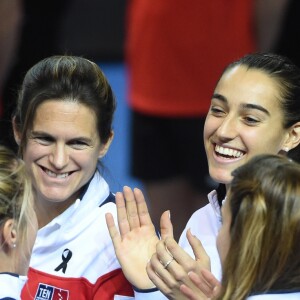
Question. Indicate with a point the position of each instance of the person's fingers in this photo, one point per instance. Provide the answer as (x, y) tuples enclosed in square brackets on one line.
[(182, 257), (169, 269), (157, 281), (158, 271), (217, 291), (142, 208), (198, 249), (124, 226), (189, 293), (113, 231), (166, 227), (205, 287), (212, 281), (131, 207), (163, 255)]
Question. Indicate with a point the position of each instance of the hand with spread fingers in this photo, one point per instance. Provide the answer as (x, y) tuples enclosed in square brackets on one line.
[(136, 240), (170, 266)]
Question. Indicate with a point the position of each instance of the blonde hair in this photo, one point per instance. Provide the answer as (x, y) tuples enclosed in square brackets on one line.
[(16, 198), (264, 200)]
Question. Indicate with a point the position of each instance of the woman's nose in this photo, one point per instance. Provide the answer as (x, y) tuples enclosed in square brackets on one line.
[(59, 157), (228, 128)]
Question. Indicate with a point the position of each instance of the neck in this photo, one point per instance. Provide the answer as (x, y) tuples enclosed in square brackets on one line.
[(7, 262), (46, 211)]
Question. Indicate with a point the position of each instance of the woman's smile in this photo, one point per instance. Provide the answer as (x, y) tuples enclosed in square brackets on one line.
[(238, 117), (63, 150)]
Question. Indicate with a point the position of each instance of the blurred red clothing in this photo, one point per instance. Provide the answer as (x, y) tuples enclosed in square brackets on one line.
[(176, 51)]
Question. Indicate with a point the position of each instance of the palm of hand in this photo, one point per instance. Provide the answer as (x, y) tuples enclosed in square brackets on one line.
[(136, 240), (134, 250)]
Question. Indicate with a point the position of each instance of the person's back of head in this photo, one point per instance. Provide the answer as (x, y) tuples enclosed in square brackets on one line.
[(17, 218), (264, 201)]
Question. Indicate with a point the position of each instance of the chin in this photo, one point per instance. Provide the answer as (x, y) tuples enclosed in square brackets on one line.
[(220, 176), (53, 198)]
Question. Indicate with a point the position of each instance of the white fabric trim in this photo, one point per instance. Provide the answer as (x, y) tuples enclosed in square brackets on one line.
[(11, 286)]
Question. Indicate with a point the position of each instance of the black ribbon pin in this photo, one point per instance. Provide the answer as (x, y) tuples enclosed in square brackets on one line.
[(66, 256)]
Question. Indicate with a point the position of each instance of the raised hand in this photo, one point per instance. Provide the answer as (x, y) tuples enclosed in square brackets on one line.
[(170, 265), (136, 242)]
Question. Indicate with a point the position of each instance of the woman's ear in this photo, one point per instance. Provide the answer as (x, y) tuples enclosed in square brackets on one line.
[(104, 148), (293, 139), (17, 134), (9, 233)]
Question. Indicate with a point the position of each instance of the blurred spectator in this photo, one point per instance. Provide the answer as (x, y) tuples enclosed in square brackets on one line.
[(11, 15), (273, 24), (287, 35), (32, 39)]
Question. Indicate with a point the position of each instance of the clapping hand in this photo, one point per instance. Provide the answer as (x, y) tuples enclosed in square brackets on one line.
[(136, 240), (170, 266)]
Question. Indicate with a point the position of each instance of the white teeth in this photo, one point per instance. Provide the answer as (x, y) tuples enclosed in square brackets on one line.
[(64, 175), (52, 174), (228, 151)]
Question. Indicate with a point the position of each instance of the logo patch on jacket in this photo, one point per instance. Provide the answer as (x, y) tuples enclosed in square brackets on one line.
[(48, 292)]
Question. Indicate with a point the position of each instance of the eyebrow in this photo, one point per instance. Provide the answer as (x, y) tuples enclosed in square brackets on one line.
[(40, 133), (244, 106), (255, 106), (219, 97)]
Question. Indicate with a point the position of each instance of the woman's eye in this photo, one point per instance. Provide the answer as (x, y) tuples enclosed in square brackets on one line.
[(251, 120), (217, 110), (78, 144), (43, 140)]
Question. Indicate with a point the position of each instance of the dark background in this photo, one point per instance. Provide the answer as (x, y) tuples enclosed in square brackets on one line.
[(94, 28)]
